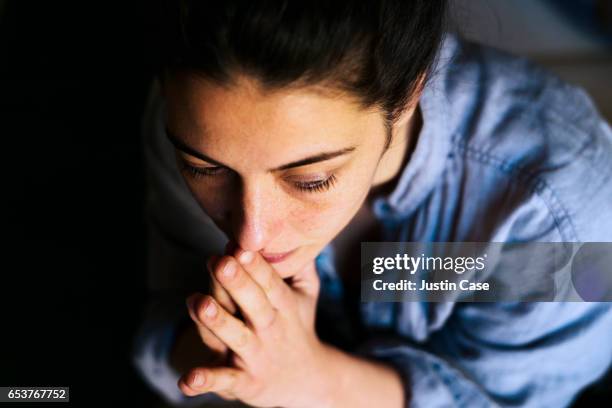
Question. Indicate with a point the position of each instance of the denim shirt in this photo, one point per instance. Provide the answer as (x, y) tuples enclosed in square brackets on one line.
[(507, 153)]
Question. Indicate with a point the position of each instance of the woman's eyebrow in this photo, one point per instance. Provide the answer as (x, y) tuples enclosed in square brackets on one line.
[(186, 149), (302, 162)]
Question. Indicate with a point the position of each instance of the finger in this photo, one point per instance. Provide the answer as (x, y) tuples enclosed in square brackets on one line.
[(249, 296), (222, 380), (224, 299), (217, 289), (230, 330), (275, 289), (307, 283), (194, 305)]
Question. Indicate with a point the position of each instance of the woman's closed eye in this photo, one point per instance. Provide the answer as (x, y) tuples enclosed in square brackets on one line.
[(317, 185), (320, 185), (202, 171)]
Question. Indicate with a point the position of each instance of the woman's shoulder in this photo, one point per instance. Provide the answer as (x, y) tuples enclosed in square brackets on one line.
[(518, 119), (491, 93)]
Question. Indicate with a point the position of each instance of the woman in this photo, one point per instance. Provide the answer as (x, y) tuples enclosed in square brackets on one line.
[(295, 132)]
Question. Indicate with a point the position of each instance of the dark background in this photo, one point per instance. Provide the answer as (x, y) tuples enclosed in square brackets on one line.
[(73, 81), (74, 77)]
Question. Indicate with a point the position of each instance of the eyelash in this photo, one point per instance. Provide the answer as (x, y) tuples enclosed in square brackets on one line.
[(197, 172), (317, 186), (310, 186)]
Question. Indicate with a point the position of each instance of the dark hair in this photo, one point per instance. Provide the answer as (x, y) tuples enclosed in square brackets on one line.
[(376, 50)]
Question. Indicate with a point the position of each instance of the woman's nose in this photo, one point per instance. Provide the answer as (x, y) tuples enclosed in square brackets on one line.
[(254, 219)]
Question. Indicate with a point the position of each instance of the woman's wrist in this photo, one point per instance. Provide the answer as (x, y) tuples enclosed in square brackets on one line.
[(349, 380)]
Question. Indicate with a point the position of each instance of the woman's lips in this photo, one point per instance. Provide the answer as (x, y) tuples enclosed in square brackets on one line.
[(276, 257)]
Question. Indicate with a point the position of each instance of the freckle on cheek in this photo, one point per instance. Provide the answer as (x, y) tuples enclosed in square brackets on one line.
[(312, 223)]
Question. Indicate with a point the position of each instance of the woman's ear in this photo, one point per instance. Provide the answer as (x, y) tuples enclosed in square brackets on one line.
[(406, 114), (412, 104)]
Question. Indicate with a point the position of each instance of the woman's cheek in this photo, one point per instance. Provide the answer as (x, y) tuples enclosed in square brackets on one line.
[(313, 222), (324, 218)]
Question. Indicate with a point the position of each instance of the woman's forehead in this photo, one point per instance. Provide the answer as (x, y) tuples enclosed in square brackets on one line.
[(203, 112)]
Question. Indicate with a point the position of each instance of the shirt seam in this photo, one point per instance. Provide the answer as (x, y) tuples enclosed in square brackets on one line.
[(530, 180)]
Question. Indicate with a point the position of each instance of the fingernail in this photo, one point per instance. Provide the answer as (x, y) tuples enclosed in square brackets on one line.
[(229, 270), (246, 257), (211, 309), (198, 379)]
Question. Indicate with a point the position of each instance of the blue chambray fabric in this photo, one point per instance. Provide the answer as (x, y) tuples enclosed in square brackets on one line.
[(507, 153)]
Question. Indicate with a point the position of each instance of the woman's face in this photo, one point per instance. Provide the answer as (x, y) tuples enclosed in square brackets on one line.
[(277, 171)]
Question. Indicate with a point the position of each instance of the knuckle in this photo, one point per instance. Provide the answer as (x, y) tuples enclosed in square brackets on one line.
[(257, 303), (271, 319), (241, 281), (244, 339), (232, 379), (269, 283)]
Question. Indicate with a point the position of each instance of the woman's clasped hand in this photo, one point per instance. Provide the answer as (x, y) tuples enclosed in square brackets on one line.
[(271, 355)]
